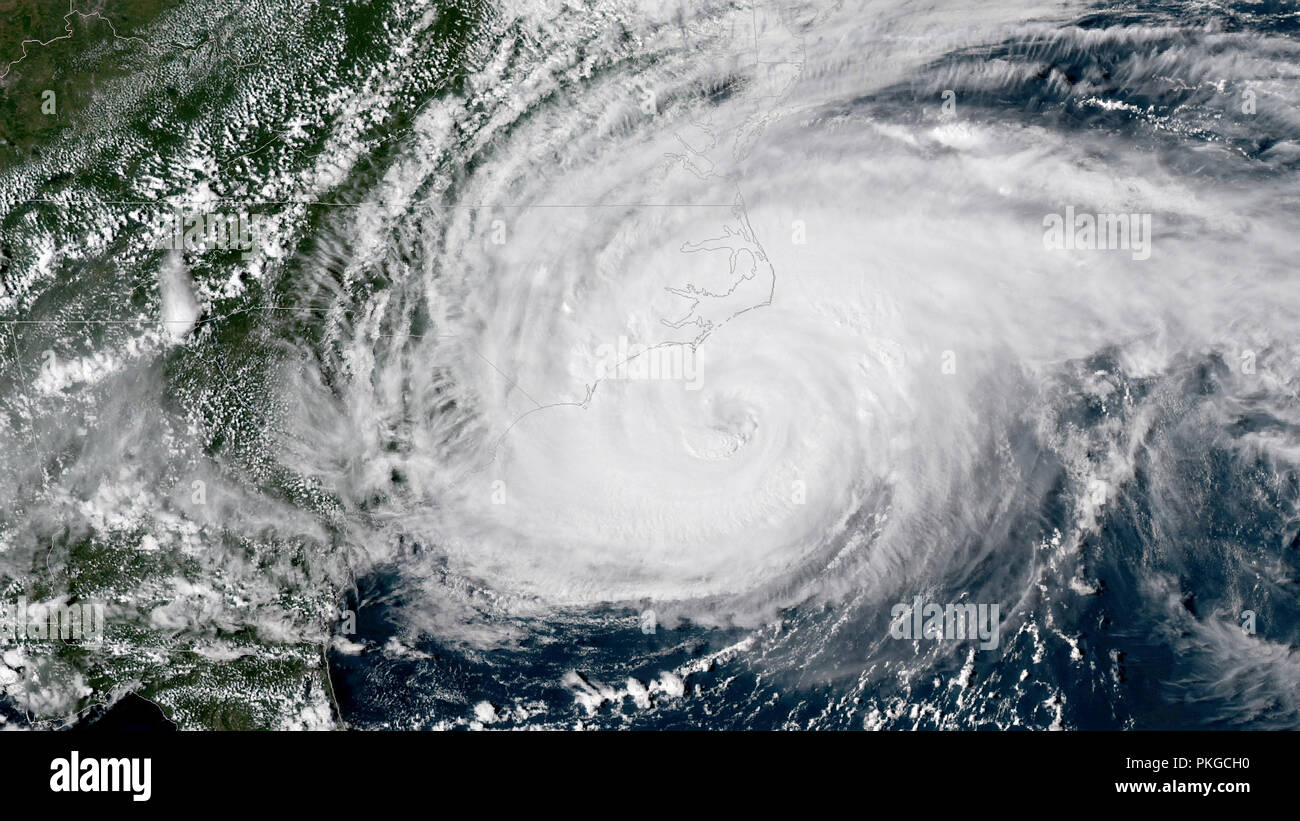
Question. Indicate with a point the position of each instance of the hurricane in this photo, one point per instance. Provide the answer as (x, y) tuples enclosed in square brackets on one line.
[(635, 364)]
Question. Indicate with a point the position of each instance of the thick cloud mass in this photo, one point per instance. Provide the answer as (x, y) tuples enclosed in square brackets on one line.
[(857, 277)]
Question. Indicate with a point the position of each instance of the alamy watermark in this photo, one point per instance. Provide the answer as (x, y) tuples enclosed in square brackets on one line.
[(1098, 232), (670, 361), (51, 621), (198, 231), (951, 622), (126, 775)]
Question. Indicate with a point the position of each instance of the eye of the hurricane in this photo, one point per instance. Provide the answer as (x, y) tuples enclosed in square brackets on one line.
[(651, 489), (732, 426)]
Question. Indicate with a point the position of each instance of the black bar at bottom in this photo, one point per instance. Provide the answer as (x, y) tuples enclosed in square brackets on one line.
[(352, 771)]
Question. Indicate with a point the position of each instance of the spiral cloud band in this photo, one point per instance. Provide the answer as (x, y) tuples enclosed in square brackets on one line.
[(864, 291)]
